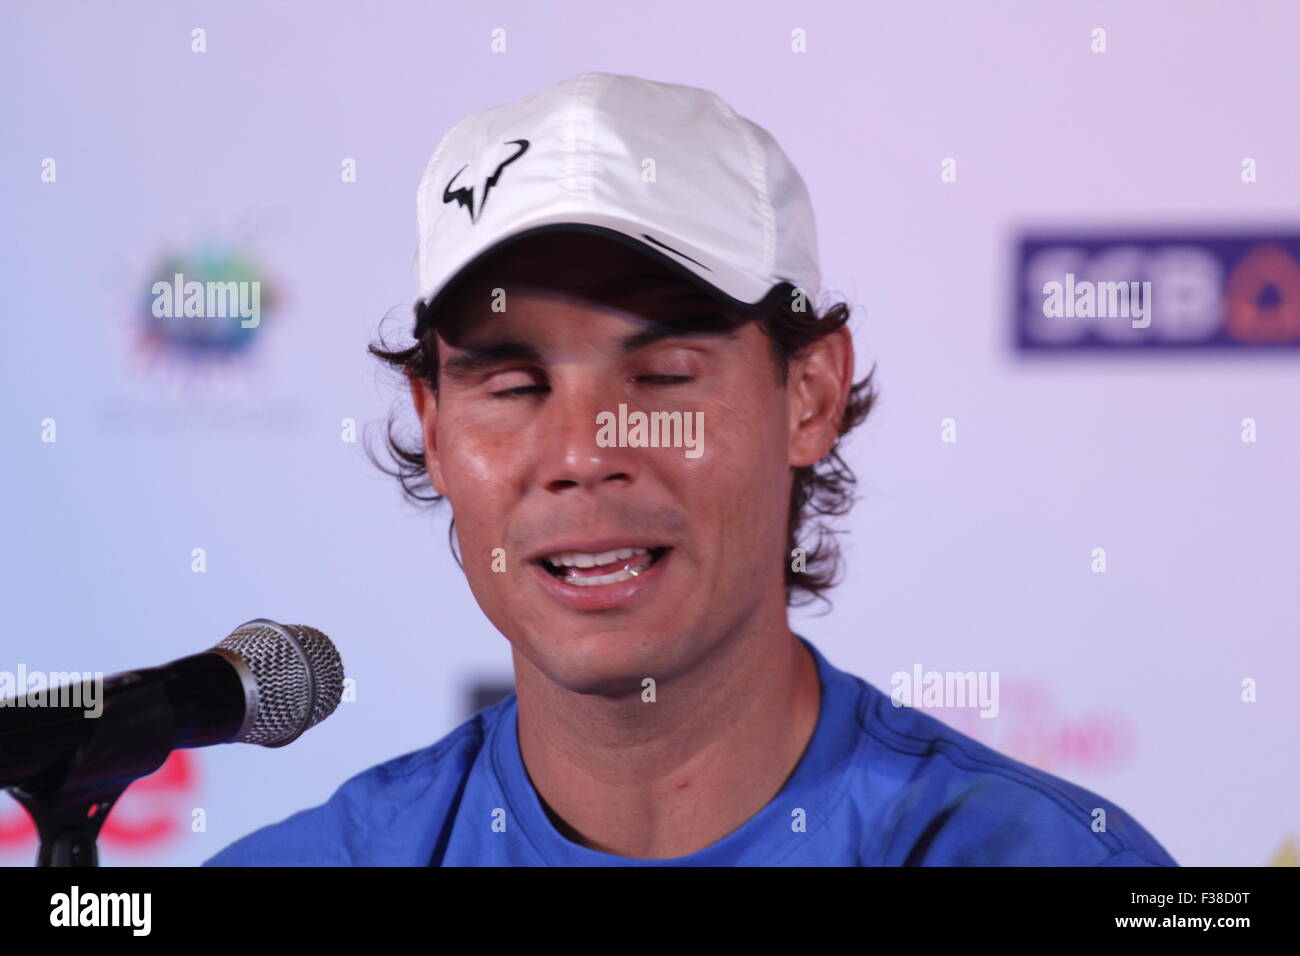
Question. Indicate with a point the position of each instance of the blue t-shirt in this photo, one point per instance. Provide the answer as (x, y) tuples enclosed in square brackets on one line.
[(877, 785)]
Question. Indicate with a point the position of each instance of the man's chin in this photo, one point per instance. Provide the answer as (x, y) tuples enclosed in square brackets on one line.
[(610, 663)]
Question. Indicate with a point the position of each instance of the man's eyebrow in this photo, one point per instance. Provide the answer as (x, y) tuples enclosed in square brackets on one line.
[(705, 325), (476, 358)]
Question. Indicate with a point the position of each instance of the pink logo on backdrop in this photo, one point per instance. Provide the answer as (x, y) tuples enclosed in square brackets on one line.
[(152, 814), (1030, 728)]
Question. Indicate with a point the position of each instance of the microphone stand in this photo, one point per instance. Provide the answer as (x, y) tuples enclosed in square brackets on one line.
[(69, 803)]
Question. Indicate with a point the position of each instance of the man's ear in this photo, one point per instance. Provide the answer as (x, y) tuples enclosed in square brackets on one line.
[(426, 408), (818, 388)]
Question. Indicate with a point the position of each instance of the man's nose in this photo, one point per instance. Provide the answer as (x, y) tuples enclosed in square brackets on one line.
[(570, 455)]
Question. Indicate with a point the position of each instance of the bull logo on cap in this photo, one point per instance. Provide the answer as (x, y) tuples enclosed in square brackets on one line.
[(465, 194)]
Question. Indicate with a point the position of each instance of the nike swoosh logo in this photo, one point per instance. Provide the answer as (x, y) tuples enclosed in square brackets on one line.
[(675, 251)]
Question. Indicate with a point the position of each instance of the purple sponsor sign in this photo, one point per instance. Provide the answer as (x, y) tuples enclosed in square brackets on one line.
[(1126, 291)]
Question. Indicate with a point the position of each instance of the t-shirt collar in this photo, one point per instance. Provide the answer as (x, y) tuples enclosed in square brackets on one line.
[(817, 783)]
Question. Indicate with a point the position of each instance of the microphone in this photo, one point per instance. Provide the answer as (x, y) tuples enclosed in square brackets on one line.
[(265, 684)]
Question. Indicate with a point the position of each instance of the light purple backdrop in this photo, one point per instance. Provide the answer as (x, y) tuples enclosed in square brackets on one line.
[(972, 555)]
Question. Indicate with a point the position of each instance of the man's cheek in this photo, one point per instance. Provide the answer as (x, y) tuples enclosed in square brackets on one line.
[(491, 567), (478, 466), (746, 472)]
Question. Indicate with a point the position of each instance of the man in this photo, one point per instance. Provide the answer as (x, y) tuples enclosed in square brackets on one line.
[(631, 404)]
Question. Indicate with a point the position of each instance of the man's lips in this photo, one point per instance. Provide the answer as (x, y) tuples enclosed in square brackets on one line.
[(600, 572), (594, 546), (592, 569), (617, 586)]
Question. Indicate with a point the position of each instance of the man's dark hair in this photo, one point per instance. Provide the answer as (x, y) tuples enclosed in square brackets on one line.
[(823, 489)]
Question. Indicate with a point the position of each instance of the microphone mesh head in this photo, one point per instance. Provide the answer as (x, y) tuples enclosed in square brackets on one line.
[(299, 678)]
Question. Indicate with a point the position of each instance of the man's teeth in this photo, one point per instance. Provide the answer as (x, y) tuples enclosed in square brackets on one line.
[(582, 559), (624, 565), (623, 574)]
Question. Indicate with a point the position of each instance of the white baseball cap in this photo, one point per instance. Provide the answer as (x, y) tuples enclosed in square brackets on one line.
[(671, 170)]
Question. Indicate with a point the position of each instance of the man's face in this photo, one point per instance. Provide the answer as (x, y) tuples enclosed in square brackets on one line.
[(511, 438)]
